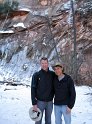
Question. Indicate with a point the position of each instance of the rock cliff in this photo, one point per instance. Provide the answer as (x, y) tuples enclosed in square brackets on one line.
[(45, 28)]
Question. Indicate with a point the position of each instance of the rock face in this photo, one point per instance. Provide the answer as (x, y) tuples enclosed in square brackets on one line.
[(37, 31)]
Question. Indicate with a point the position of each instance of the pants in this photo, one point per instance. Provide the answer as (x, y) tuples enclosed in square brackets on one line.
[(59, 111), (47, 107)]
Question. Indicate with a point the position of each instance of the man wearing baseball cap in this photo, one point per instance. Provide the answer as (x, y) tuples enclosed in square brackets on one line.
[(64, 95)]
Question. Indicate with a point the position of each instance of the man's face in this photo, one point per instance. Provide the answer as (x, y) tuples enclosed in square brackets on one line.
[(58, 70), (44, 64)]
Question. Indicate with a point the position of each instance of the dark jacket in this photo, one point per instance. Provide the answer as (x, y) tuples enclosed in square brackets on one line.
[(42, 86), (64, 91)]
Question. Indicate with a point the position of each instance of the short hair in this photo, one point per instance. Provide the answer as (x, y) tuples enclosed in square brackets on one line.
[(44, 58)]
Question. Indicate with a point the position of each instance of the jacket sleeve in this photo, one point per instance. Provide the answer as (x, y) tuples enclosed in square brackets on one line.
[(34, 88), (72, 93)]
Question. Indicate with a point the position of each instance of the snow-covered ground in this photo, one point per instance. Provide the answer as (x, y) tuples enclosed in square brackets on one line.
[(15, 102)]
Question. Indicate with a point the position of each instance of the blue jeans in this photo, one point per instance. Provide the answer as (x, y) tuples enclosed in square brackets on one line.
[(47, 107), (59, 111)]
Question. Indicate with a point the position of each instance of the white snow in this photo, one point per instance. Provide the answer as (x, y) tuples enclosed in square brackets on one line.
[(15, 102), (67, 5), (24, 9), (5, 32), (44, 43), (19, 25), (19, 69)]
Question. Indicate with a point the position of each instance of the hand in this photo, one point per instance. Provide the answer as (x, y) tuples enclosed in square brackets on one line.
[(68, 110), (35, 107)]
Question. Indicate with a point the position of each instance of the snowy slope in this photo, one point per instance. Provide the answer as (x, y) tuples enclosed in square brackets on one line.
[(19, 69), (15, 102)]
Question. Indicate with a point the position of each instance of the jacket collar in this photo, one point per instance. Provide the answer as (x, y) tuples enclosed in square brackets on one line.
[(45, 71)]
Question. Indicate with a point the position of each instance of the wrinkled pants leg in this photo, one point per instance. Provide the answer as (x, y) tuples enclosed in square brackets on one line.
[(48, 112), (41, 105), (58, 114), (67, 116)]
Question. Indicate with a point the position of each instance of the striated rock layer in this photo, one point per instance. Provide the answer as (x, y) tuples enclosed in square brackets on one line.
[(37, 29)]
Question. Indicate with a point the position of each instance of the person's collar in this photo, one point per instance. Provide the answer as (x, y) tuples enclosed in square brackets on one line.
[(45, 70), (61, 77)]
